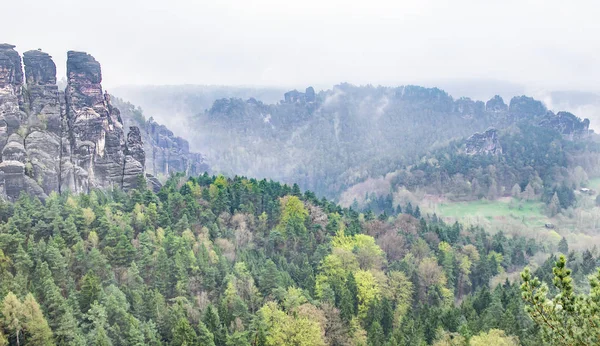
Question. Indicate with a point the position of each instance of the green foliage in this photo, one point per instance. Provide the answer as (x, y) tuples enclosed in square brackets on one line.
[(236, 261), (568, 318)]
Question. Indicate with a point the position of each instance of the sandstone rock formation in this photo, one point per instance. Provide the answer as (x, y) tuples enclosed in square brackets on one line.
[(165, 153), (567, 124), (57, 141), (484, 143)]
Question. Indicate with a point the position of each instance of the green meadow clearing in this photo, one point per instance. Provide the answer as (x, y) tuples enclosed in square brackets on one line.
[(528, 213)]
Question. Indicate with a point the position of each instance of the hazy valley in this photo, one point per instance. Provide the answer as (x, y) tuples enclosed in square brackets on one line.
[(315, 173)]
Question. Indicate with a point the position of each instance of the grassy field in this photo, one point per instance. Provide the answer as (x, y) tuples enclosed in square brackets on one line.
[(529, 213), (581, 226)]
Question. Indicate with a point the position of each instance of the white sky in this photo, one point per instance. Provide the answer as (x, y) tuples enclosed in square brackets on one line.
[(549, 43)]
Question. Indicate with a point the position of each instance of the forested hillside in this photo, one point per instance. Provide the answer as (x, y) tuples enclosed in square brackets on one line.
[(217, 261), (532, 162), (330, 140)]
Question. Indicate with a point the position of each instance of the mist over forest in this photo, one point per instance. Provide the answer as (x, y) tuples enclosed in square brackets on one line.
[(309, 173), (187, 111)]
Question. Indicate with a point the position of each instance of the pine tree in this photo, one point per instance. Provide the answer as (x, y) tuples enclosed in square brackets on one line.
[(346, 305), (417, 213), (554, 205), (568, 318), (60, 316), (516, 191), (529, 193), (409, 209), (563, 246), (270, 278), (97, 335), (353, 290), (376, 335), (36, 327), (12, 312), (387, 316), (184, 334), (69, 231), (205, 337), (90, 291), (123, 252), (213, 323)]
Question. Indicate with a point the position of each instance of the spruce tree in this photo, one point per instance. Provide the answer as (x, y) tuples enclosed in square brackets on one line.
[(184, 334), (205, 337), (563, 246)]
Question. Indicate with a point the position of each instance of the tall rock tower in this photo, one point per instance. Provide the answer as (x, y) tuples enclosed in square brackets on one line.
[(57, 141)]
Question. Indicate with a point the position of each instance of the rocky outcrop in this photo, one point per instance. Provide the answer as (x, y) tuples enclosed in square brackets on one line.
[(496, 105), (295, 96), (58, 141), (567, 124), (11, 71), (96, 134), (486, 143), (522, 106), (167, 153), (44, 140)]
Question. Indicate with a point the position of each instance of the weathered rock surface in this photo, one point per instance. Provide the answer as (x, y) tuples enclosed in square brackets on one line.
[(165, 153), (484, 143), (567, 124), (11, 71), (58, 141)]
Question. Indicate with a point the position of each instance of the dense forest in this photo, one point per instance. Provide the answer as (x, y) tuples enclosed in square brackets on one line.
[(535, 164), (329, 140), (215, 261)]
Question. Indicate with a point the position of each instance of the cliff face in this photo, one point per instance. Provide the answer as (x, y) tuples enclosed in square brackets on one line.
[(165, 153), (57, 141), (567, 124), (485, 143)]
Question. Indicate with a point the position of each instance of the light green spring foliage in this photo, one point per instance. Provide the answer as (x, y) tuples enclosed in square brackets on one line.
[(24, 321), (197, 261), (494, 337), (567, 318), (293, 217), (287, 329)]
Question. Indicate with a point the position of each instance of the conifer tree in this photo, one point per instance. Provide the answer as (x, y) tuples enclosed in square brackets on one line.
[(184, 334), (12, 313), (205, 337), (36, 327), (568, 318), (563, 246)]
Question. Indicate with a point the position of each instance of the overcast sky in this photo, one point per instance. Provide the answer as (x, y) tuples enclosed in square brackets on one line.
[(546, 43)]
